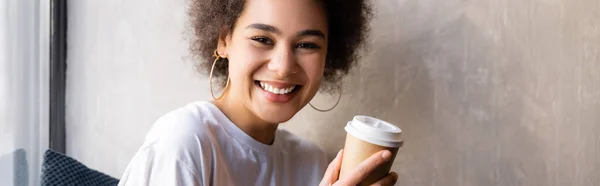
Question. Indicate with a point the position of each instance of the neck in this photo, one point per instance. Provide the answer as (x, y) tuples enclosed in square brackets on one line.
[(247, 121)]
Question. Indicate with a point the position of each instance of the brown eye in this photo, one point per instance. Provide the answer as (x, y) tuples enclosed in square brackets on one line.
[(308, 46), (263, 40)]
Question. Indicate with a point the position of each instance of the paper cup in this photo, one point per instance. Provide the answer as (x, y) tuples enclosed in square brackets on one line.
[(365, 137)]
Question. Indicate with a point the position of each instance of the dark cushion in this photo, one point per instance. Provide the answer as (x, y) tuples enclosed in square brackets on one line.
[(59, 169)]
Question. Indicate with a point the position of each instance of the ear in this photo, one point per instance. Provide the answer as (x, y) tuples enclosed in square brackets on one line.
[(224, 43)]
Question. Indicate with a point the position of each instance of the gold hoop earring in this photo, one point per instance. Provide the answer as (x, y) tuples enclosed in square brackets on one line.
[(217, 57), (336, 103)]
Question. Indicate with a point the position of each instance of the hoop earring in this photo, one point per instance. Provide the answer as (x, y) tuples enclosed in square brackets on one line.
[(217, 57), (336, 103)]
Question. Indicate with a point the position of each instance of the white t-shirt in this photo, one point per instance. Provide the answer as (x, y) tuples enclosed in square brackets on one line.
[(199, 145)]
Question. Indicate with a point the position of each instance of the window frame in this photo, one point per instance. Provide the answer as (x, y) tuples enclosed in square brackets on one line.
[(57, 74)]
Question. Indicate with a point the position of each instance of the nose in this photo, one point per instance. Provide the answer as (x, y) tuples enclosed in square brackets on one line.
[(283, 62)]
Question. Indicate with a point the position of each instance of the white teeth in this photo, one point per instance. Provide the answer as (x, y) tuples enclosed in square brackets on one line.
[(269, 88)]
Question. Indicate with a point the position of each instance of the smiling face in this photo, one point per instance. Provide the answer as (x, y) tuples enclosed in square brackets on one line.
[(276, 53)]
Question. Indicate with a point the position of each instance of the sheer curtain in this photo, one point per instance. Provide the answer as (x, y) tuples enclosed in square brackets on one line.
[(24, 57)]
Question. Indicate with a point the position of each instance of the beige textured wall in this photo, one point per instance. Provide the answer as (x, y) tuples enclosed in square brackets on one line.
[(488, 92)]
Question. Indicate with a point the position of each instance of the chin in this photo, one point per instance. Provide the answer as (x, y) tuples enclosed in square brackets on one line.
[(277, 114)]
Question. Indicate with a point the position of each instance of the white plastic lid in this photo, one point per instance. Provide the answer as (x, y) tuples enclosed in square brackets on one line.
[(374, 131)]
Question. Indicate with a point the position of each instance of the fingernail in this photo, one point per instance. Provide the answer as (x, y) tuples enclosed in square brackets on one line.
[(386, 154), (395, 175)]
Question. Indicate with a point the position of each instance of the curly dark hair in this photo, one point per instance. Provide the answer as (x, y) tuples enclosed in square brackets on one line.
[(348, 27)]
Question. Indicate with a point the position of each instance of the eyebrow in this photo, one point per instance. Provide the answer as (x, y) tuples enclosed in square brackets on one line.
[(316, 33), (264, 27), (272, 29)]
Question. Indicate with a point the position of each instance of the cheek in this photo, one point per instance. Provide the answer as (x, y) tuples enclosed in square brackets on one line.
[(240, 70), (314, 66), (243, 62)]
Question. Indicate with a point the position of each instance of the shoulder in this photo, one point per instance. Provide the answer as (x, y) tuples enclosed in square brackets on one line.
[(294, 142), (296, 145), (310, 161), (178, 147), (188, 128)]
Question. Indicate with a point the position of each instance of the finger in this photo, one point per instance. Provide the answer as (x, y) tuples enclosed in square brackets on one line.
[(334, 167), (366, 167), (388, 180), (333, 170), (337, 165)]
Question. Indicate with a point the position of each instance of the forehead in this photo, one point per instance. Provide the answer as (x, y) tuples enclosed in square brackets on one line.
[(286, 15)]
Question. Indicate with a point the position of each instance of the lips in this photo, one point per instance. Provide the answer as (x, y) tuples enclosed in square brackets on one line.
[(277, 91)]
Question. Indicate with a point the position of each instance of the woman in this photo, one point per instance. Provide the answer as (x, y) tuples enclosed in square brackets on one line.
[(270, 57)]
